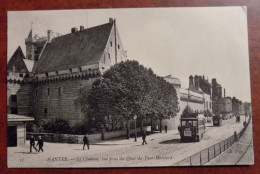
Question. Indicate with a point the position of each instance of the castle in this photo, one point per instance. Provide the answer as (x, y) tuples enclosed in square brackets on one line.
[(44, 83)]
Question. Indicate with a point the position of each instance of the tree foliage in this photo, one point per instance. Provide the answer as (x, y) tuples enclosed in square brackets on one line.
[(125, 90), (188, 113)]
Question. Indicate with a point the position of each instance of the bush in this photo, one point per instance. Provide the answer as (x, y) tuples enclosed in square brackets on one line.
[(59, 126), (38, 126)]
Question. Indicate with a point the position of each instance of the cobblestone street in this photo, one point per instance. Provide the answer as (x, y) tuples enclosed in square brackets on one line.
[(162, 150)]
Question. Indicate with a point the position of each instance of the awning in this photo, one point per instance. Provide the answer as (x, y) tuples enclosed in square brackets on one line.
[(13, 117)]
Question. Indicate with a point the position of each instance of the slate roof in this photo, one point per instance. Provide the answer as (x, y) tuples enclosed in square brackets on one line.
[(13, 117), (75, 49), (17, 60)]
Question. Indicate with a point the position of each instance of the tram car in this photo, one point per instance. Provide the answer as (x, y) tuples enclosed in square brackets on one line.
[(192, 129), (238, 119), (217, 120)]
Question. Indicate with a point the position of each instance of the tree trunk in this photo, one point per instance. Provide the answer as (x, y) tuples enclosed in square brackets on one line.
[(128, 129), (160, 125), (142, 124)]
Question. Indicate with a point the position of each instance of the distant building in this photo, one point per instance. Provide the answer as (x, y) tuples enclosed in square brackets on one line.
[(223, 106)]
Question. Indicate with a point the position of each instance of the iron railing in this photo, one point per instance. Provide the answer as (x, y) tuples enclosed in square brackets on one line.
[(204, 156)]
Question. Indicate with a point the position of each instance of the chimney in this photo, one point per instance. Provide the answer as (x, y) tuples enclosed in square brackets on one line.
[(203, 78), (224, 93), (196, 81), (74, 30), (111, 20), (50, 35), (81, 28), (191, 81)]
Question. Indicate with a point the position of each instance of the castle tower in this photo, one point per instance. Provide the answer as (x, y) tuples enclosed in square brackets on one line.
[(29, 42), (35, 44)]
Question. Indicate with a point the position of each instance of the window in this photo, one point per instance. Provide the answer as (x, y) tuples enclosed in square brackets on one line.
[(183, 123), (118, 46), (14, 98), (20, 75), (108, 55), (111, 44), (14, 110), (13, 68), (45, 111), (48, 91), (36, 92), (46, 74), (59, 90), (194, 123)]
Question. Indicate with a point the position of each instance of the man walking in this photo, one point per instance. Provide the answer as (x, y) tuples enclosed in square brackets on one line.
[(86, 142), (165, 128), (144, 137), (40, 143), (32, 143)]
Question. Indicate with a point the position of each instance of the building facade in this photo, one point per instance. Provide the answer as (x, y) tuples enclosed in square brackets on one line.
[(197, 99)]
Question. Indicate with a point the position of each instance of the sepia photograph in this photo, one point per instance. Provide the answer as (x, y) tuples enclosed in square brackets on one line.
[(133, 87)]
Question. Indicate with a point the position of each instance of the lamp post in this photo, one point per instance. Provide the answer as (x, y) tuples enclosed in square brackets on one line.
[(135, 117)]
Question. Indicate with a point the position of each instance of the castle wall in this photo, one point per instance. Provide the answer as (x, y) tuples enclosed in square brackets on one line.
[(57, 99), (24, 99)]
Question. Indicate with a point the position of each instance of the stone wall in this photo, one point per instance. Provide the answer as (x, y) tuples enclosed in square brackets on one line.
[(77, 139), (57, 99), (24, 98)]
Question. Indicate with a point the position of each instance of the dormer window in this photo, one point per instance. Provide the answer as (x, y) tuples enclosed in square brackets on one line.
[(111, 44)]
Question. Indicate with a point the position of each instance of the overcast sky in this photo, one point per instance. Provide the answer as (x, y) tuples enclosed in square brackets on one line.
[(178, 41)]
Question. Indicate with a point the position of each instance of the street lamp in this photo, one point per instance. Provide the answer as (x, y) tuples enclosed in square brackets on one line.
[(135, 117)]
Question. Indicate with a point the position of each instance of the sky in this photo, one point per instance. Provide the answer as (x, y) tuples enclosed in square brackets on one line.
[(209, 41)]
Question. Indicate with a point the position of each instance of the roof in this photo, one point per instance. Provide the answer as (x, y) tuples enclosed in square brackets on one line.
[(17, 61), (172, 80), (194, 89), (75, 49), (29, 64), (13, 117)]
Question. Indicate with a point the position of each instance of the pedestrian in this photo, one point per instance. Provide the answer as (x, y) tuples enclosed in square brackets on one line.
[(144, 137), (32, 143), (86, 142), (40, 143), (165, 128)]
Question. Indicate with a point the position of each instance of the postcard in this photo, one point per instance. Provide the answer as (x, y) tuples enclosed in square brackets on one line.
[(140, 87)]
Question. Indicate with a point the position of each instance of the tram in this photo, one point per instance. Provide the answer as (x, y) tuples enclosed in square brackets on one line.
[(192, 128), (217, 120)]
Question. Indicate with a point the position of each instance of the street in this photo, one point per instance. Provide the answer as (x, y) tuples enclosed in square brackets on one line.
[(162, 150), (241, 153)]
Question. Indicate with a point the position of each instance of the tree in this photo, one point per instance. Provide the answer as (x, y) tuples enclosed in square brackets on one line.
[(188, 113), (125, 90)]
